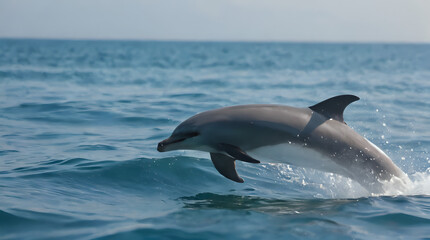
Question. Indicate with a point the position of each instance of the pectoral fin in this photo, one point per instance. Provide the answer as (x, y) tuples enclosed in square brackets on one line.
[(237, 153), (226, 166)]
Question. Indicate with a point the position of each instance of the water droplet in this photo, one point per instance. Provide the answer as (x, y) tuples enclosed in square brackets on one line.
[(383, 124), (382, 137), (377, 110), (403, 158)]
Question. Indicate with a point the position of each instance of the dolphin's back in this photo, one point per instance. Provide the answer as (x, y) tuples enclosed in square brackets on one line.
[(259, 124), (285, 115)]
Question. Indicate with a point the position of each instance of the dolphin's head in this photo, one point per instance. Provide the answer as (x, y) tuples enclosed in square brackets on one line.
[(185, 136)]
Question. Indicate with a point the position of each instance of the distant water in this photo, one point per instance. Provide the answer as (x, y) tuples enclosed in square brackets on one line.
[(80, 120)]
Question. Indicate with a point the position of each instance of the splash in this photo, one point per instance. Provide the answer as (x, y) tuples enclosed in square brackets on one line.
[(419, 184), (330, 185), (321, 184)]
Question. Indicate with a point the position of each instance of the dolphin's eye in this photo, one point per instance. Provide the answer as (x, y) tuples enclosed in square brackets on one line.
[(185, 136), (191, 134)]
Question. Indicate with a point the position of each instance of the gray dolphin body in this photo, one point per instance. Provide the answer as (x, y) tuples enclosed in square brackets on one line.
[(316, 137)]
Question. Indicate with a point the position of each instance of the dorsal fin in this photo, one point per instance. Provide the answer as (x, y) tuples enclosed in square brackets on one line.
[(334, 107)]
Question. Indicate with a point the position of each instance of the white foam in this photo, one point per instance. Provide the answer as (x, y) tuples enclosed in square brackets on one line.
[(329, 185), (419, 184), (332, 177), (322, 184)]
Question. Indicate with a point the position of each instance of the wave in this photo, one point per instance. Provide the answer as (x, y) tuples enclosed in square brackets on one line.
[(190, 199), (95, 147), (5, 152), (169, 175), (267, 205), (79, 113), (8, 218), (193, 175), (208, 215)]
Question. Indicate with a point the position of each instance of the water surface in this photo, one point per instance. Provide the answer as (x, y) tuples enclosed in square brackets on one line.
[(80, 120)]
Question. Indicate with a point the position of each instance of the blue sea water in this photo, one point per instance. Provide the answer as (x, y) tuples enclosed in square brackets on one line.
[(80, 121)]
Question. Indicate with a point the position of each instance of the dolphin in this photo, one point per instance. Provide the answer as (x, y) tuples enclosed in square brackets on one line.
[(313, 137)]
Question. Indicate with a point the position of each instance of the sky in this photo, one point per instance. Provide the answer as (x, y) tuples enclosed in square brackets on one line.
[(219, 20)]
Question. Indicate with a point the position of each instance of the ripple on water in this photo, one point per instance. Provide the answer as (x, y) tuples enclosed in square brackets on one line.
[(5, 152), (95, 147)]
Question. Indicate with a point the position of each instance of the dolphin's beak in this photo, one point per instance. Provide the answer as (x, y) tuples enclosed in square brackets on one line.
[(166, 142), (161, 145)]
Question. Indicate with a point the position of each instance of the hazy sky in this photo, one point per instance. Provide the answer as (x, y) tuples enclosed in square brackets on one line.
[(263, 20)]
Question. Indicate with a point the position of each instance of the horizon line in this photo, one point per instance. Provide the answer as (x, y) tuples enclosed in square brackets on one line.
[(212, 40)]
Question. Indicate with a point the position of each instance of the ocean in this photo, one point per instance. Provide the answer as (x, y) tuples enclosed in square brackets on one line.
[(80, 122)]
